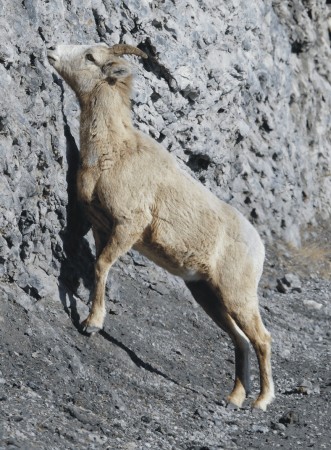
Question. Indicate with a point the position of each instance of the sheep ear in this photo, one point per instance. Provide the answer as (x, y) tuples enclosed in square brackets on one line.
[(116, 71)]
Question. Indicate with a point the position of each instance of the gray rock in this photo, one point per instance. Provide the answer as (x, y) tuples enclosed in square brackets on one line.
[(278, 426), (258, 428), (289, 418), (312, 304), (289, 283), (197, 73)]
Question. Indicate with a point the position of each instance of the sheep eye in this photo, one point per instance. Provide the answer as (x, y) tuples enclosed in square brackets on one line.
[(90, 57)]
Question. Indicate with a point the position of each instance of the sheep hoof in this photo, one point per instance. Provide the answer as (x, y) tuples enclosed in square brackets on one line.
[(259, 406), (91, 329), (236, 399), (232, 407)]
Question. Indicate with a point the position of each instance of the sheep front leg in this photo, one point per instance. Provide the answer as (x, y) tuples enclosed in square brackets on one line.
[(122, 239)]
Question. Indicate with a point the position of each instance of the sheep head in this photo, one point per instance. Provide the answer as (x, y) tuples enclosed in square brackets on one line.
[(83, 67)]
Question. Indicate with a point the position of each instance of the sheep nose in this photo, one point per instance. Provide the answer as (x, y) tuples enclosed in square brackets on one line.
[(53, 47)]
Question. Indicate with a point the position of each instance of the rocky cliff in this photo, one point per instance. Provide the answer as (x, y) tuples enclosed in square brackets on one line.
[(240, 93)]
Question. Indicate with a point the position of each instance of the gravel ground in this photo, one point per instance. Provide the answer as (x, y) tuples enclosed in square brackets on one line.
[(157, 375)]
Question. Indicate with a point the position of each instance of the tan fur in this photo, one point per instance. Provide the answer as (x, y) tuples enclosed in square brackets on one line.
[(138, 197)]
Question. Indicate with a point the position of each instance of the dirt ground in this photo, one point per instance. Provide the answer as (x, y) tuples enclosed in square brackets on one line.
[(157, 375)]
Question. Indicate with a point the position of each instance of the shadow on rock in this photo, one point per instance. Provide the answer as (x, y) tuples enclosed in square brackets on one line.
[(135, 358), (77, 264)]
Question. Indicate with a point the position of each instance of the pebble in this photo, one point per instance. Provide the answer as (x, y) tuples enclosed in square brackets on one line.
[(260, 428), (32, 385), (304, 387), (278, 426), (146, 419), (289, 418), (289, 283), (311, 304), (12, 443), (28, 331)]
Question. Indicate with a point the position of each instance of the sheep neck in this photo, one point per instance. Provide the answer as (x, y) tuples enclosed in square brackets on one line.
[(105, 126)]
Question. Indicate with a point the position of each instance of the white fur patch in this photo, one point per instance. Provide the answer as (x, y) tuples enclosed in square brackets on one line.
[(245, 347), (63, 51)]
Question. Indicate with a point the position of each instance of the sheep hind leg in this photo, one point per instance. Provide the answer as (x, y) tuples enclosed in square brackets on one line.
[(121, 240), (251, 324), (100, 240), (241, 387), (212, 303)]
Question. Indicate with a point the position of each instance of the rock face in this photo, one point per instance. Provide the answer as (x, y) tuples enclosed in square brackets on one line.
[(239, 92)]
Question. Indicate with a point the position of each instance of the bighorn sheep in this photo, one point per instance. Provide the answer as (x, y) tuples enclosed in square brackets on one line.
[(137, 197)]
